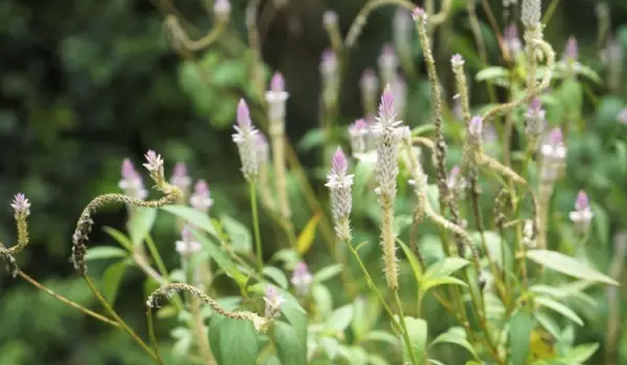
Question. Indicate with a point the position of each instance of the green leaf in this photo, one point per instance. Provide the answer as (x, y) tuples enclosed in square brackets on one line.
[(559, 308), (520, 327), (446, 267), (581, 353), (457, 336), (492, 73), (276, 275), (120, 237), (568, 266), (141, 223), (288, 348), (413, 261), (239, 235), (192, 216), (295, 315), (111, 280), (447, 280), (221, 258), (307, 235), (382, 336), (233, 342), (376, 360), (323, 298), (105, 252), (327, 273), (312, 139), (340, 318), (417, 330)]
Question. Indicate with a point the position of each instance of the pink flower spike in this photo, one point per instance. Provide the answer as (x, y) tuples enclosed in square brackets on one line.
[(571, 52), (329, 18), (556, 137), (418, 13), (476, 126), (154, 162), (222, 7), (359, 125), (128, 170), (457, 60), (582, 203), (277, 84), (243, 115), (339, 162), (387, 109), (21, 205), (201, 188)]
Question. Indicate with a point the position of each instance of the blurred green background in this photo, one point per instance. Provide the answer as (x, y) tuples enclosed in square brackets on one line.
[(84, 84)]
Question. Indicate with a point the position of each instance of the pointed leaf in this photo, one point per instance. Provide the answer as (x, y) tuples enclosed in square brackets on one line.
[(417, 330), (233, 342), (105, 252), (457, 336), (568, 266), (276, 275), (340, 318), (141, 223), (306, 237), (288, 348), (559, 308), (220, 257), (327, 273), (111, 280), (581, 353), (413, 261), (446, 267), (447, 280), (520, 326), (192, 216), (239, 235), (120, 237)]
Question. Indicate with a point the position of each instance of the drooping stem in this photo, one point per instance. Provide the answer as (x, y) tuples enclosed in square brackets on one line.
[(253, 204), (123, 324), (153, 337), (67, 301)]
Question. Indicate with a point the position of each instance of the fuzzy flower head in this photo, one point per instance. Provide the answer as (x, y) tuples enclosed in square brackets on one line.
[(387, 111), (622, 116), (246, 140), (222, 9), (553, 152), (201, 198), (276, 97), (329, 19), (571, 52), (180, 177), (531, 13), (582, 215), (512, 40), (340, 186), (369, 86), (188, 246), (154, 165), (301, 278), (132, 183), (273, 301), (535, 118), (455, 181), (475, 128), (358, 132), (328, 64), (21, 206), (457, 60), (388, 63), (419, 14)]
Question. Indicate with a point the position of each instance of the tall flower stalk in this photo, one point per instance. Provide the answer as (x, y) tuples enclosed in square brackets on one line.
[(246, 140)]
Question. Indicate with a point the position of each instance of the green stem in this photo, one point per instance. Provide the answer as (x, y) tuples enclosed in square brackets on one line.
[(153, 337), (398, 326), (123, 324), (253, 204), (154, 252), (401, 317)]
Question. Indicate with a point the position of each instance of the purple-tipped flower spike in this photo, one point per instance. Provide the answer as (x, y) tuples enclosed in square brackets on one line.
[(476, 126), (180, 178), (222, 9), (273, 300), (455, 181), (339, 162), (457, 60), (553, 152), (582, 215), (388, 63), (277, 97), (243, 115), (187, 246), (418, 13), (246, 140), (132, 183), (622, 116), (358, 132), (387, 109), (201, 198), (339, 184), (21, 206), (301, 278), (571, 52), (531, 13), (328, 63), (512, 40), (329, 19), (535, 119), (369, 82), (154, 165)]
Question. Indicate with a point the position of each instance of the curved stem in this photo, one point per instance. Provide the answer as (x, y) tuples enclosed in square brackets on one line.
[(67, 301), (123, 324), (151, 334), (253, 203)]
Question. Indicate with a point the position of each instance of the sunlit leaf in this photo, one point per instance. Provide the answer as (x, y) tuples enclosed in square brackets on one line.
[(457, 336), (327, 273), (446, 267), (417, 330), (276, 275), (520, 326), (289, 349), (221, 258), (141, 223), (581, 353), (568, 266), (120, 237), (306, 237), (105, 252), (239, 235), (233, 342), (492, 73), (559, 308), (341, 318), (111, 280), (192, 216)]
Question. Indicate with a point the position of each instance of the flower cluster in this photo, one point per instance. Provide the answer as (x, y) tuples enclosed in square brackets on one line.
[(132, 183), (246, 140), (301, 278), (340, 185), (582, 215)]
